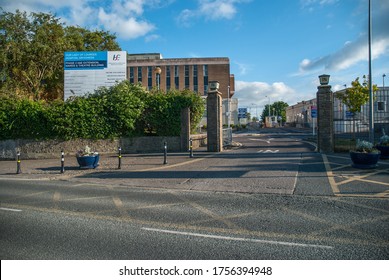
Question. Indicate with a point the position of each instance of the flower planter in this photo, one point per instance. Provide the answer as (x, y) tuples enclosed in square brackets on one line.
[(364, 160), (88, 162), (384, 151)]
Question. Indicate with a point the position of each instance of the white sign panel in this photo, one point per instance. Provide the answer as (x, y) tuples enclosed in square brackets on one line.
[(87, 71)]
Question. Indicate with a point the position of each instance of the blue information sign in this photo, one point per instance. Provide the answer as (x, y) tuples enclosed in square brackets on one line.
[(242, 113), (313, 112)]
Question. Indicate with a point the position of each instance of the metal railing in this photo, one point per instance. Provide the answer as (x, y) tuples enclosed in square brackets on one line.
[(348, 127), (227, 136)]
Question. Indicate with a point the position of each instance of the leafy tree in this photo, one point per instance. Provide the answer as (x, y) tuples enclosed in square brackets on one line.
[(356, 96), (80, 39), (277, 108), (31, 52)]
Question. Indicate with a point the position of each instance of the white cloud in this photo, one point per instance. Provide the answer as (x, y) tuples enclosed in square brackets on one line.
[(258, 93), (311, 4), (354, 51), (152, 37), (123, 17), (127, 28), (210, 10), (217, 9), (243, 68)]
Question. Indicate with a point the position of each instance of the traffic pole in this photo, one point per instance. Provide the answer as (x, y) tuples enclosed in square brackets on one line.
[(18, 167), (62, 161), (190, 148), (120, 158), (165, 153)]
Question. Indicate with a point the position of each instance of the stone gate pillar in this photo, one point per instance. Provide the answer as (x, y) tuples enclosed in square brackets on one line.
[(325, 116), (214, 119)]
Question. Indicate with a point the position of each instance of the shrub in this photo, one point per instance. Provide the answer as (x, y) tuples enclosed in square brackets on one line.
[(122, 110)]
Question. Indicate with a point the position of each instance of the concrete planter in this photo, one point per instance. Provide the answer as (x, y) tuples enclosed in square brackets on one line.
[(364, 160), (384, 151), (88, 162)]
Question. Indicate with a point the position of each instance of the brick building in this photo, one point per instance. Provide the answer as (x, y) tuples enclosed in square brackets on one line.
[(180, 73), (300, 114)]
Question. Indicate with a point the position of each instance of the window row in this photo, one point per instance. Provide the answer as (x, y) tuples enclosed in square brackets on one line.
[(172, 76)]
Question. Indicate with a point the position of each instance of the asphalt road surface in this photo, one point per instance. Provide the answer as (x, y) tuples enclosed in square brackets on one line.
[(255, 202)]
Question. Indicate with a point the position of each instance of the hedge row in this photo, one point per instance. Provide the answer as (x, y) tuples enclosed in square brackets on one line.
[(122, 110)]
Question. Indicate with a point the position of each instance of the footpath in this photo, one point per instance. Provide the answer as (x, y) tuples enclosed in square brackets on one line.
[(331, 174)]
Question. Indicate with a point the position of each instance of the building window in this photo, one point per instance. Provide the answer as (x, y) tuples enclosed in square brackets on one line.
[(186, 76), (168, 78), (205, 71), (195, 79), (381, 106), (176, 76), (139, 74), (149, 77), (132, 75)]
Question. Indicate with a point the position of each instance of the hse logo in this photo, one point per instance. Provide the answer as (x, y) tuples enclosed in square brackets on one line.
[(116, 57)]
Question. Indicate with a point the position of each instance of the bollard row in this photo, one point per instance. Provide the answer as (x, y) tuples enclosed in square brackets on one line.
[(62, 166)]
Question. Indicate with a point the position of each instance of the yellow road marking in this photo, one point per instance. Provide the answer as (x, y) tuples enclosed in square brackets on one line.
[(262, 234), (330, 175), (171, 165), (207, 211), (27, 195), (119, 206), (56, 198)]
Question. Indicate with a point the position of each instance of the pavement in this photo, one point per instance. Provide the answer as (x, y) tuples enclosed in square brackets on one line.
[(313, 174)]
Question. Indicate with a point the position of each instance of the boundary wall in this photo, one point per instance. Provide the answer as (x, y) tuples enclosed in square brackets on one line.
[(35, 149)]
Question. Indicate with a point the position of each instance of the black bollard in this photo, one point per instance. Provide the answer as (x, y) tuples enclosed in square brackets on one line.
[(62, 162), (18, 168), (165, 153), (120, 158), (190, 148)]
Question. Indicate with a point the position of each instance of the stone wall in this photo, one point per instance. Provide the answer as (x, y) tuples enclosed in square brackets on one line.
[(33, 149)]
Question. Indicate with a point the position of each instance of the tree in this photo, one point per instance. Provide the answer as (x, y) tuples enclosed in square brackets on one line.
[(277, 109), (31, 52), (80, 39), (356, 96)]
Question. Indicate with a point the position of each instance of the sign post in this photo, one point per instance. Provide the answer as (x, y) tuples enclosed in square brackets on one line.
[(313, 116)]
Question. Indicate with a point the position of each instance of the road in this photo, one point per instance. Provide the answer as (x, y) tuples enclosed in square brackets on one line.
[(255, 202)]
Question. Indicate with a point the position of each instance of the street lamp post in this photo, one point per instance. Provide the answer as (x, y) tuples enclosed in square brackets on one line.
[(228, 107), (383, 82), (268, 109), (157, 71), (371, 108)]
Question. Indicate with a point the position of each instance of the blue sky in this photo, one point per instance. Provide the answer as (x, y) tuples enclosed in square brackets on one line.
[(277, 48)]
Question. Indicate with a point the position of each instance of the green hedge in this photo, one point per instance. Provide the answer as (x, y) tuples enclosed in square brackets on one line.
[(122, 110)]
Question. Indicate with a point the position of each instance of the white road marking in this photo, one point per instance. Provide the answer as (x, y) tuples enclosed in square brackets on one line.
[(268, 151), (238, 238), (12, 178), (10, 209), (262, 140)]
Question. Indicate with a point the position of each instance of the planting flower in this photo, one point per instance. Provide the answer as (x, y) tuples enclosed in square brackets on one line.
[(384, 140), (86, 152), (365, 147)]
